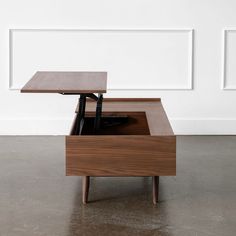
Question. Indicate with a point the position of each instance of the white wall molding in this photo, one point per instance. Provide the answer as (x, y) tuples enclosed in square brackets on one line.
[(190, 61), (226, 33), (190, 35)]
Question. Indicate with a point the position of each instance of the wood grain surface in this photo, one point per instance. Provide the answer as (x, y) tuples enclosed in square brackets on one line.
[(146, 146), (124, 155), (66, 82)]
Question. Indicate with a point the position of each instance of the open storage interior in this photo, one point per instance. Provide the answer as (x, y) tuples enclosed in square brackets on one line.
[(114, 123)]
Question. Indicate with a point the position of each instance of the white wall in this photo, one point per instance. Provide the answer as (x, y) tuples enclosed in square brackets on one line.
[(183, 51)]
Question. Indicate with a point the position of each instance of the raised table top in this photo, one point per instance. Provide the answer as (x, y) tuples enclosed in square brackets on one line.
[(66, 82), (96, 82), (156, 117)]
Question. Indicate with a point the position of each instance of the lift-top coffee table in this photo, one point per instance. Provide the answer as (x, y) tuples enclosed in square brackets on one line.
[(112, 136)]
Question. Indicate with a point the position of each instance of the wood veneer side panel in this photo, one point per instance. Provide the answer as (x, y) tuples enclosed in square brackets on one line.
[(131, 155), (158, 121), (73, 124)]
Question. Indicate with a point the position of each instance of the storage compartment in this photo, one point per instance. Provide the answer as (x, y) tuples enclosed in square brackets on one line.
[(135, 139), (114, 123)]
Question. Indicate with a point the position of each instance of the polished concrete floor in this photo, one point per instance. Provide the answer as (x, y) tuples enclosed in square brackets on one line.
[(37, 199)]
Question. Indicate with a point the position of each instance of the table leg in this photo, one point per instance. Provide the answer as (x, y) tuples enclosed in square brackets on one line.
[(85, 188), (155, 189)]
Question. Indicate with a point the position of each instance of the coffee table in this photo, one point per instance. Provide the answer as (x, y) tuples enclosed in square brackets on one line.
[(111, 136)]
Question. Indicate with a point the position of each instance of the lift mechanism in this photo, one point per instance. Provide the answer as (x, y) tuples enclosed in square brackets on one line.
[(82, 105)]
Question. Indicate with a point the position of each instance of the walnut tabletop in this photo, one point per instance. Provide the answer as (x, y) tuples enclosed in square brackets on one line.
[(66, 82)]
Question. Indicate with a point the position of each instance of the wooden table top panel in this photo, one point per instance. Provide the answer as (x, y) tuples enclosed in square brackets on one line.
[(156, 117), (66, 82)]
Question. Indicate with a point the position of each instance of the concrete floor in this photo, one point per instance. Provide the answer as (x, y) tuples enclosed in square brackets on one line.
[(37, 199)]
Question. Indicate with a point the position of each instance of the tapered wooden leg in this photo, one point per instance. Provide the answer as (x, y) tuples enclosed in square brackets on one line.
[(155, 189), (85, 188)]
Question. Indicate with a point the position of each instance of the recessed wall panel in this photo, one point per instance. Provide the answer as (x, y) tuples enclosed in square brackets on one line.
[(229, 60), (134, 59)]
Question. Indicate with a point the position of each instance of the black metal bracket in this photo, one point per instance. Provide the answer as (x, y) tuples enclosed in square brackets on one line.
[(97, 121), (82, 106), (81, 112)]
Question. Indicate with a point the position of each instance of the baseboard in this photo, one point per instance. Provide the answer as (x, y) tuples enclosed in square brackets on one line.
[(203, 126), (35, 126), (61, 126)]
